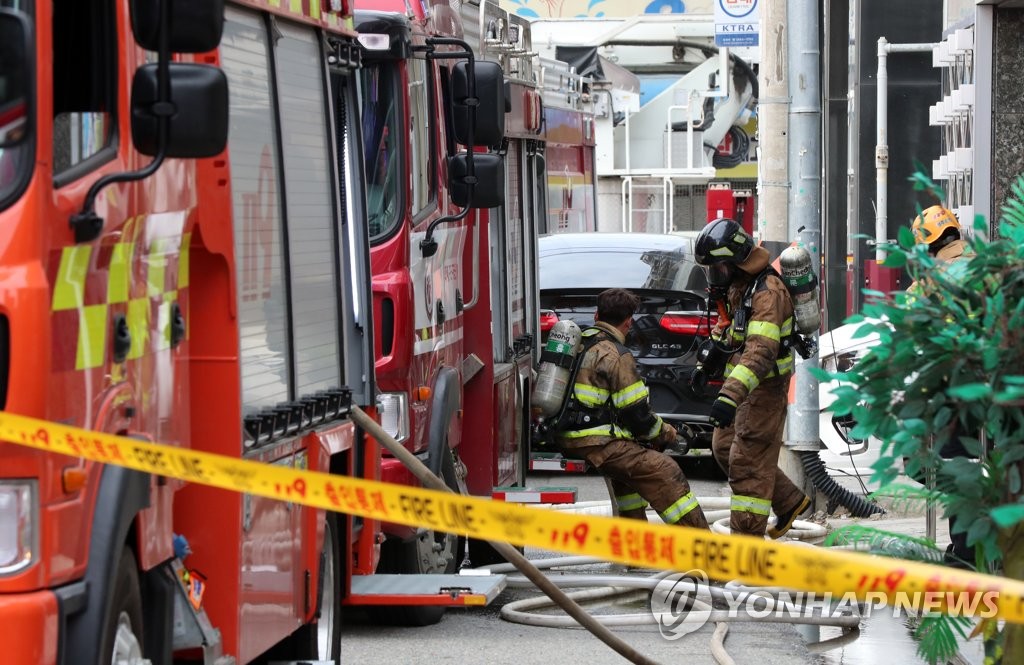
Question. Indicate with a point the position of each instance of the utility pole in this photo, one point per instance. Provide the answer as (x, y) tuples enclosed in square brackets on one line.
[(805, 148), (789, 165)]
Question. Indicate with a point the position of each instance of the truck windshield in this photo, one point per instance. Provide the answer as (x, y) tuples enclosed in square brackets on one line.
[(381, 133), (15, 162)]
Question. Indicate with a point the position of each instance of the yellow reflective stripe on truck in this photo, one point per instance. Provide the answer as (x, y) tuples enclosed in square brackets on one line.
[(127, 272)]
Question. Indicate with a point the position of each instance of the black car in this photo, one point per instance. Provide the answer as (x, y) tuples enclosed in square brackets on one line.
[(671, 322)]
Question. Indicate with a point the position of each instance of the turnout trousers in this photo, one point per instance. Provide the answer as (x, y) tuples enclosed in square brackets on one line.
[(748, 452), (640, 476)]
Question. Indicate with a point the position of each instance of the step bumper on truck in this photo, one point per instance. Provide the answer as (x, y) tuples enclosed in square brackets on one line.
[(556, 462), (472, 588), (33, 625)]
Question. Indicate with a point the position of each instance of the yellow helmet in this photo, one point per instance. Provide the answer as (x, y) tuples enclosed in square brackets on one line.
[(932, 223)]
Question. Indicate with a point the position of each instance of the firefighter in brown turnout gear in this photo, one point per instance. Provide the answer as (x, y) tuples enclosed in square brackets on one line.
[(750, 411), (939, 228), (609, 413)]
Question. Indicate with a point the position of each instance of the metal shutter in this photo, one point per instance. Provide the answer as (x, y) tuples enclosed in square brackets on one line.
[(309, 209), (262, 307)]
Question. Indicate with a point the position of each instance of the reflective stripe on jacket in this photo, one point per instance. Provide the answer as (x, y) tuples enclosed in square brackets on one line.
[(763, 355), (608, 380), (955, 252)]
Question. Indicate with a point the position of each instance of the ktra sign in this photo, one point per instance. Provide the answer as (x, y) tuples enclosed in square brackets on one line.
[(736, 23)]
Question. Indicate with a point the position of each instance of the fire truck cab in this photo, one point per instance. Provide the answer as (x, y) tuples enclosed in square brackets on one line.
[(453, 278), (183, 261)]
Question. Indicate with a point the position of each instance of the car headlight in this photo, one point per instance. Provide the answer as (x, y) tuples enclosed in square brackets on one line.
[(19, 537), (394, 414)]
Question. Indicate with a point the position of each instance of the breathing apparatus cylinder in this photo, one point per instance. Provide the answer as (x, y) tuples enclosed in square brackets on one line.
[(556, 367), (798, 275)]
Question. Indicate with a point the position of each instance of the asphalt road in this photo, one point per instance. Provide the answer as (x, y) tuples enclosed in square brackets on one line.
[(480, 635)]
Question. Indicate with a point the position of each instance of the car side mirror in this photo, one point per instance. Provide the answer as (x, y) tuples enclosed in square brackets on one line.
[(488, 109), (486, 189), (198, 122), (196, 26), (15, 79)]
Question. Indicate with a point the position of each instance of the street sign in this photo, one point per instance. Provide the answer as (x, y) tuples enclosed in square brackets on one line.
[(737, 23)]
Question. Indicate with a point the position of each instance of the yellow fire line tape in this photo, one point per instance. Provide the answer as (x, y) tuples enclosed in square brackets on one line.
[(750, 560)]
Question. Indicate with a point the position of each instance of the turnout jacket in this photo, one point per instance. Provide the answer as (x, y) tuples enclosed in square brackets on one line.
[(610, 400), (768, 322), (954, 252)]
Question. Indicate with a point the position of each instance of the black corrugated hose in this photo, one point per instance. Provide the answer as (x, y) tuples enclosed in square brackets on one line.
[(815, 469)]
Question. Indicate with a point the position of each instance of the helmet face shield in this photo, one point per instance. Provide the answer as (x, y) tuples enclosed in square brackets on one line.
[(719, 278), (719, 274)]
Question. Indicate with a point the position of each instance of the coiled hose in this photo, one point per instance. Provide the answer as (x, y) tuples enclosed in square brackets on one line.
[(816, 471), (610, 589)]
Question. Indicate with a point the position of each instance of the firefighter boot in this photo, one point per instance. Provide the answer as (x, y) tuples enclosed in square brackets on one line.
[(958, 553), (784, 520)]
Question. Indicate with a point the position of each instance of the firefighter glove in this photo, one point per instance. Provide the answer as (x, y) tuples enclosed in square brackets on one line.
[(723, 412), (667, 437)]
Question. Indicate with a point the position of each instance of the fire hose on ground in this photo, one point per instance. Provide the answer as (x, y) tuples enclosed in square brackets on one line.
[(621, 589), (510, 553), (611, 589), (614, 586)]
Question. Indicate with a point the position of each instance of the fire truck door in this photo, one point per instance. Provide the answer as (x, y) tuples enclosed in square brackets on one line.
[(518, 251), (536, 199)]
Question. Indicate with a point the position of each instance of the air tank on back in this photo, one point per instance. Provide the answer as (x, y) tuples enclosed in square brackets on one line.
[(798, 273), (556, 367)]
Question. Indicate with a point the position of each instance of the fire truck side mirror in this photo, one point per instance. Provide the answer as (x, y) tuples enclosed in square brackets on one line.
[(198, 118), (487, 188), (489, 105), (15, 78), (196, 25)]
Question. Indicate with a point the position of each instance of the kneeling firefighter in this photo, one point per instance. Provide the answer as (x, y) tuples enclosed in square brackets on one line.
[(749, 413), (608, 413)]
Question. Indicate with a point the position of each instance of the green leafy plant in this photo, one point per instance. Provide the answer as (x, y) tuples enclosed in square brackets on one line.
[(950, 362), (938, 636), (885, 543), (905, 498)]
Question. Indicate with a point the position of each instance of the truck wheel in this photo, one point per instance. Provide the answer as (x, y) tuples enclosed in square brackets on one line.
[(122, 629), (328, 626), (320, 639), (428, 553)]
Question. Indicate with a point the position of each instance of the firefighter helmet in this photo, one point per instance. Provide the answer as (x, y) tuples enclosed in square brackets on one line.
[(722, 241), (933, 223)]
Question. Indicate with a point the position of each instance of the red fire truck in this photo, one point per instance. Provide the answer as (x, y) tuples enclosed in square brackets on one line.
[(454, 290), (157, 286), (569, 136)]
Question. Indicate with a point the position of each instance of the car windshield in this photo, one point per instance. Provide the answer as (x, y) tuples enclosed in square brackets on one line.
[(593, 268), (380, 134)]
